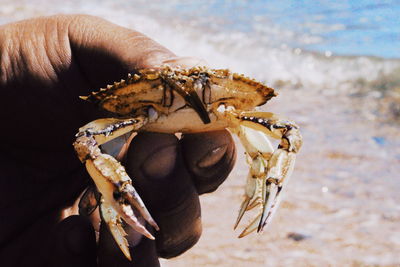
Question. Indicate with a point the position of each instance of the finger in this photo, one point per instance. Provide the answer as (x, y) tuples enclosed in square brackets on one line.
[(185, 62), (155, 163), (142, 250), (73, 243), (107, 52), (209, 157)]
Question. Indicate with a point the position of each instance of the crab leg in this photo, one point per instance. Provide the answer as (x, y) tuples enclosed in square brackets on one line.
[(110, 177), (270, 169)]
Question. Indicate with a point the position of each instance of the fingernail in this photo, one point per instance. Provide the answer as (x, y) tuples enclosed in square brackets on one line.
[(212, 157), (209, 158), (185, 62)]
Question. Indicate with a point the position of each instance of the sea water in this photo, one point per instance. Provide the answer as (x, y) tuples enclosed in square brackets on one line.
[(362, 27)]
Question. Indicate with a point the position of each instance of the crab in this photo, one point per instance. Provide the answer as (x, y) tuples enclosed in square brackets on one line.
[(172, 100)]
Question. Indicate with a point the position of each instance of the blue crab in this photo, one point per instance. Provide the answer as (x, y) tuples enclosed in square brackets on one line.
[(198, 99)]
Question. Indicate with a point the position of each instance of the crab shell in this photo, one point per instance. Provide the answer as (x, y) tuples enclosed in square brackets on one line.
[(185, 100)]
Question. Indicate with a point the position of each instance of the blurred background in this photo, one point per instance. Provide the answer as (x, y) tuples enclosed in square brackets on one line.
[(336, 65)]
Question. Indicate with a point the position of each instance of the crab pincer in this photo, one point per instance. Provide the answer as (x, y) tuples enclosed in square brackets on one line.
[(118, 198), (270, 169)]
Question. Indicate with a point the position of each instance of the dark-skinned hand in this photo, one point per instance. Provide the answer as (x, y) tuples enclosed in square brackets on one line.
[(46, 63)]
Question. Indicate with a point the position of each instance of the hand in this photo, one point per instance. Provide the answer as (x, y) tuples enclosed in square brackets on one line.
[(46, 63)]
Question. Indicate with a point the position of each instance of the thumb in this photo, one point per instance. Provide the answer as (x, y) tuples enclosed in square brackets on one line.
[(106, 52)]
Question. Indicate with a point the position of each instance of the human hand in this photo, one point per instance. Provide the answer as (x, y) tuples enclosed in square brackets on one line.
[(46, 63)]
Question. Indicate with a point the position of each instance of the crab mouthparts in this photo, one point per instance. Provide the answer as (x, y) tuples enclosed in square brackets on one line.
[(194, 101)]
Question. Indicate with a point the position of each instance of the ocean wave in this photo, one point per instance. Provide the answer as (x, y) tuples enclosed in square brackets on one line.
[(274, 64), (263, 53)]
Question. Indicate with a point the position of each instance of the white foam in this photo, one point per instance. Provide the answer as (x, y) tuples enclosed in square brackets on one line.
[(263, 55)]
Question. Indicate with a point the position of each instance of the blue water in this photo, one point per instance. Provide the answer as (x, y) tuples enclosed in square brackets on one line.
[(363, 27), (339, 27)]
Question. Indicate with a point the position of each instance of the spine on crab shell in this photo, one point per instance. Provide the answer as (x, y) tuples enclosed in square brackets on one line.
[(147, 74), (96, 96), (267, 92)]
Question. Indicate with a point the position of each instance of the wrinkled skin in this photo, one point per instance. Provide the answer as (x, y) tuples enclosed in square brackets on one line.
[(46, 63)]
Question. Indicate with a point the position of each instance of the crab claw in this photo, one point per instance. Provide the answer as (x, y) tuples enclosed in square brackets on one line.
[(115, 186), (270, 169), (251, 227), (111, 217), (280, 168), (117, 198), (129, 217), (129, 193), (251, 197)]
